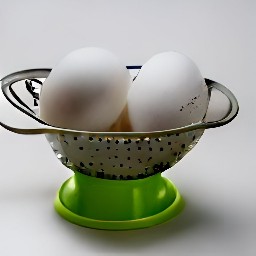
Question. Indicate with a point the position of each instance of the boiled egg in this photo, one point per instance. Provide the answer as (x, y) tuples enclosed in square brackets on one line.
[(86, 91), (169, 92)]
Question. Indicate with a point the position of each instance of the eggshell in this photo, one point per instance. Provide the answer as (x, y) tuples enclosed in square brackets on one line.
[(168, 93), (86, 91)]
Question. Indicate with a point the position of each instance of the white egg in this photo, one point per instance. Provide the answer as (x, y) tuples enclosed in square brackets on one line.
[(168, 93), (86, 91)]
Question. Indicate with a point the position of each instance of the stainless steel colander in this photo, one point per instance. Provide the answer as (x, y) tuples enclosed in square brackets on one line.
[(106, 155)]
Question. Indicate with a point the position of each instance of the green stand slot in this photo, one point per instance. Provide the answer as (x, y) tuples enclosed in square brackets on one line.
[(118, 205)]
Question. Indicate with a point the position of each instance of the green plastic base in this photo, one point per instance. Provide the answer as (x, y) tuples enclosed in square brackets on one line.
[(118, 205)]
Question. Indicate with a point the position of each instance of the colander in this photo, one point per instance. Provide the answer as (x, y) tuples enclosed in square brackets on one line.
[(117, 182)]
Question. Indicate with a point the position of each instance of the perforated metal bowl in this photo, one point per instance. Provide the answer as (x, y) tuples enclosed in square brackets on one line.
[(109, 155)]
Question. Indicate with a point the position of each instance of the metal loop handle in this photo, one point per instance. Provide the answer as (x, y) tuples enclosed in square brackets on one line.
[(234, 107)]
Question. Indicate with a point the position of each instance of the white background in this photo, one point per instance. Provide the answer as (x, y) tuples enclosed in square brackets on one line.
[(217, 179)]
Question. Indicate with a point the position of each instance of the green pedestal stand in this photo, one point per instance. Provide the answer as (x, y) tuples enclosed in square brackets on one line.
[(118, 205)]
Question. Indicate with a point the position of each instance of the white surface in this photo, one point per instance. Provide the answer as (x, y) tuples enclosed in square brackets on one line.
[(217, 179)]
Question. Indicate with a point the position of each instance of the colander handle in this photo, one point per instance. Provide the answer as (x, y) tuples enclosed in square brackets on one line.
[(231, 113), (16, 121)]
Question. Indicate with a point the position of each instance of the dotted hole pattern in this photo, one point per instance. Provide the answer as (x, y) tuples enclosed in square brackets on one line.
[(122, 158)]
